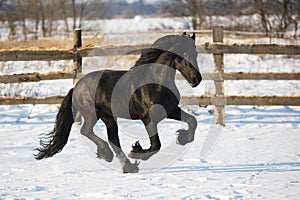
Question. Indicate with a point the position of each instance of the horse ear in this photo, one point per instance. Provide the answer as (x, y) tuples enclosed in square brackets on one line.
[(194, 36)]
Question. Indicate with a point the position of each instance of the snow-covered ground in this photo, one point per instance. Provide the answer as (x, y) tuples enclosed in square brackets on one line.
[(256, 155)]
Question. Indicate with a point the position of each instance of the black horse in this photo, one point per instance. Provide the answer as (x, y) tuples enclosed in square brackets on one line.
[(146, 92)]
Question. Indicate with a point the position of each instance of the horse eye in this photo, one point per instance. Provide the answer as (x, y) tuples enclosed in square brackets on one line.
[(185, 55)]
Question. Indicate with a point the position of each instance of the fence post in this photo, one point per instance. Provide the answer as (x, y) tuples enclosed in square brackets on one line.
[(218, 36), (77, 64)]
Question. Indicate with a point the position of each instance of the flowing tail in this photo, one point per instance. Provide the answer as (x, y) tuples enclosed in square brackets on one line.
[(54, 141)]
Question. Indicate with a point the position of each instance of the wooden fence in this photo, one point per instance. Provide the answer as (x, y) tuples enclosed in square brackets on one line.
[(217, 48)]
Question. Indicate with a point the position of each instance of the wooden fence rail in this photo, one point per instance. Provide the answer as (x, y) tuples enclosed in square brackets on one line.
[(217, 48), (185, 100), (36, 77), (210, 48), (247, 76)]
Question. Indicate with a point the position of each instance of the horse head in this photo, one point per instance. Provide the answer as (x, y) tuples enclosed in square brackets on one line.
[(182, 51), (186, 61)]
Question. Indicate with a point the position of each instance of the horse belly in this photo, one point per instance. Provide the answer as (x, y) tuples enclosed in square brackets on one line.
[(153, 99)]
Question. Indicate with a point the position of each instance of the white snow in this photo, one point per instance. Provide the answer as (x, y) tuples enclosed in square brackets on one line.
[(256, 155)]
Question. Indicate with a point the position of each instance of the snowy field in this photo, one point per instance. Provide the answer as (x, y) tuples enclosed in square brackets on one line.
[(255, 156)]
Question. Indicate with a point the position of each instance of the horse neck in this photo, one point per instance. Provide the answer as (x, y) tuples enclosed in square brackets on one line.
[(155, 66), (163, 70)]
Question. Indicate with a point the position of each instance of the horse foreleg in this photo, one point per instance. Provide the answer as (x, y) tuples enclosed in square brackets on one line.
[(144, 154), (113, 137), (185, 136), (103, 150)]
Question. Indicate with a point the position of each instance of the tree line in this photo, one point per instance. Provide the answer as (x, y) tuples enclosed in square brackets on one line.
[(45, 12), (275, 16)]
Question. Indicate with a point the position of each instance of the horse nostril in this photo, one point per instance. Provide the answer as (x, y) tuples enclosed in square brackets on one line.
[(195, 82)]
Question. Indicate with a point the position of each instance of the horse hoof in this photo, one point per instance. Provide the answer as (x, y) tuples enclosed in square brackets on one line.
[(139, 153), (144, 155), (136, 152), (182, 138), (131, 168), (135, 155)]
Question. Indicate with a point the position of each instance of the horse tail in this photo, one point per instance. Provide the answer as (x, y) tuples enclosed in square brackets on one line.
[(54, 141)]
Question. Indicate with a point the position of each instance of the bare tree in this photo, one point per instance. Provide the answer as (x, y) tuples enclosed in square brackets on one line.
[(192, 7), (283, 16), (9, 13), (83, 5), (277, 15), (34, 13), (297, 17), (261, 9), (40, 6), (78, 8), (197, 9), (202, 12), (74, 13), (64, 15), (50, 14), (23, 8)]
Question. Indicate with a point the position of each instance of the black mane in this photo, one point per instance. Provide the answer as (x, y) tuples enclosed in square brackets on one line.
[(149, 55), (162, 45)]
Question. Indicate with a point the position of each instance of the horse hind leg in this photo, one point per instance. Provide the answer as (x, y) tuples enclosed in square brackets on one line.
[(103, 149), (113, 137)]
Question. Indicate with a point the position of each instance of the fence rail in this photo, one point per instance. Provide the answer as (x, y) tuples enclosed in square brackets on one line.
[(217, 76), (31, 100), (240, 100), (36, 77), (185, 100), (217, 48), (210, 48)]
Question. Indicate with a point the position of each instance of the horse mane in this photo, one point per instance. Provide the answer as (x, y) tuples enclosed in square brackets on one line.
[(160, 46), (149, 55)]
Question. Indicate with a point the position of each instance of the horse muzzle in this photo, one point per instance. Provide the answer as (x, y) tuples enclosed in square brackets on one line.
[(196, 81)]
